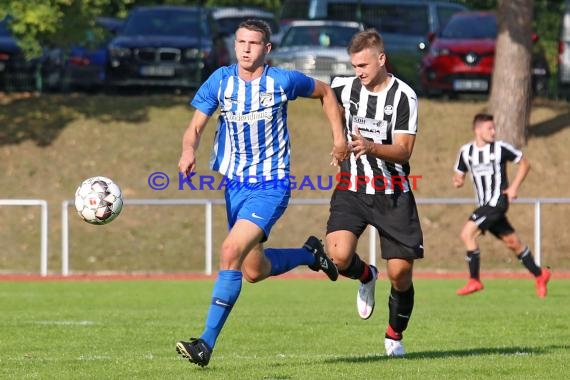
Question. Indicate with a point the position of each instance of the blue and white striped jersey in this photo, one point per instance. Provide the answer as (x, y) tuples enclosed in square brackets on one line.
[(252, 140)]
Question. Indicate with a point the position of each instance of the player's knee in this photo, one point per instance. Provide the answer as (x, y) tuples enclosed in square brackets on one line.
[(514, 244), (463, 235), (342, 262), (401, 284), (341, 254), (400, 278), (466, 236), (252, 278), (230, 257), (508, 238)]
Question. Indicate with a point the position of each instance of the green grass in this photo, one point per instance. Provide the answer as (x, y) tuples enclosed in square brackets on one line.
[(292, 329)]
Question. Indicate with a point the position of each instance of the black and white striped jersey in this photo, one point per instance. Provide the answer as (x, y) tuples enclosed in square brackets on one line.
[(488, 167), (378, 116)]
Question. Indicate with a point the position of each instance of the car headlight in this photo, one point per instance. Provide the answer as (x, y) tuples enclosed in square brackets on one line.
[(192, 53), (119, 52)]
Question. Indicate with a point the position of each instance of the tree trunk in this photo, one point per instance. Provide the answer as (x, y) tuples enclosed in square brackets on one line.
[(511, 83)]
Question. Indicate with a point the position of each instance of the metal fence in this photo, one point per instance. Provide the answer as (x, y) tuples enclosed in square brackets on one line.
[(208, 204), (43, 226)]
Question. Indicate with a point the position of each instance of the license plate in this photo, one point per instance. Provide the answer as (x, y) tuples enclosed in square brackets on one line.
[(157, 71), (470, 85)]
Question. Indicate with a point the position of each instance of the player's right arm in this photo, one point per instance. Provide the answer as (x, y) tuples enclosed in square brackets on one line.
[(205, 103), (191, 141)]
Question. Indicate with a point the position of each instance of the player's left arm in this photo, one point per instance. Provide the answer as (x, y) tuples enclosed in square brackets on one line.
[(523, 169)]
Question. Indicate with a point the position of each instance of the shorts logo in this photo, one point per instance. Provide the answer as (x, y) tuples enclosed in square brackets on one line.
[(254, 215)]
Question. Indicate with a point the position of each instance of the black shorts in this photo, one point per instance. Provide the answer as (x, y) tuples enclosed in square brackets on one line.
[(493, 218), (395, 216)]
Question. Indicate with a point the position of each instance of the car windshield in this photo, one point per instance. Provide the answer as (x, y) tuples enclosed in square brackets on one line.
[(166, 23), (321, 35), (408, 20), (462, 27)]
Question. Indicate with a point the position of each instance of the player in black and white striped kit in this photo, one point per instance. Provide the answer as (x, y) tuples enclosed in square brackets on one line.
[(381, 118), (486, 159)]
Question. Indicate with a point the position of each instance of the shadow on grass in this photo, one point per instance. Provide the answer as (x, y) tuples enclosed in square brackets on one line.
[(514, 351), (42, 118), (550, 127)]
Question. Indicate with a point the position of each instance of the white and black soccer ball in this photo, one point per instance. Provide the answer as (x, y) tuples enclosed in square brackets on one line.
[(98, 200)]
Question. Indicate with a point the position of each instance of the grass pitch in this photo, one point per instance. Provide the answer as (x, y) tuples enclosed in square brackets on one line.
[(280, 329)]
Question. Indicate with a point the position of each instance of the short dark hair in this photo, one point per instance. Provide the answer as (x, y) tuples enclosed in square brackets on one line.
[(367, 39), (257, 26), (481, 117)]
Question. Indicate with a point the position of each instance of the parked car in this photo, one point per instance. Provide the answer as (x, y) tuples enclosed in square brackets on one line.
[(17, 73), (462, 55), (86, 61), (564, 53), (403, 24), (227, 19), (316, 48), (172, 46)]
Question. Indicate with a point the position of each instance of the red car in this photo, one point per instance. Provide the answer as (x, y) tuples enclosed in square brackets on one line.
[(461, 57)]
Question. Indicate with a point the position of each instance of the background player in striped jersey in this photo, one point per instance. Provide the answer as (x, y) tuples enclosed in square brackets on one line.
[(381, 121), (487, 159), (252, 151)]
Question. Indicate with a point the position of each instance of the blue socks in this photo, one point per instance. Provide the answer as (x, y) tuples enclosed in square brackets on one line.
[(285, 259), (226, 292), (228, 287)]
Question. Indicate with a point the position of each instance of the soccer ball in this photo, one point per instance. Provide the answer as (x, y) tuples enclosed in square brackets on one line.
[(98, 200)]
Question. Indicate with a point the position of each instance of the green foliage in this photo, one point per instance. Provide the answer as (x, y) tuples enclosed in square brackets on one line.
[(44, 23), (547, 18), (546, 15)]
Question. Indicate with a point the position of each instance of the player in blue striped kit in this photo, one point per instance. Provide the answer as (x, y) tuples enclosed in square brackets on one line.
[(251, 149)]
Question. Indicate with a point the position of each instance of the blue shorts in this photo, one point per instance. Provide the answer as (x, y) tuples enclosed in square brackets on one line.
[(260, 204)]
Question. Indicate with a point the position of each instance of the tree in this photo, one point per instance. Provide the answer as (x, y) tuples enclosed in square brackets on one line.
[(48, 23), (511, 83)]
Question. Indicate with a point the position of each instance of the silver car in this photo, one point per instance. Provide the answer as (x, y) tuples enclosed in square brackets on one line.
[(316, 48)]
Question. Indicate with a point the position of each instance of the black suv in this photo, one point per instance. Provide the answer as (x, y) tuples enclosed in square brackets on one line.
[(172, 46)]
